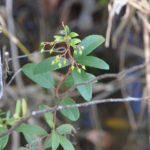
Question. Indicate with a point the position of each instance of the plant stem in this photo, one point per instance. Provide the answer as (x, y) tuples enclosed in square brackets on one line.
[(57, 88), (61, 82)]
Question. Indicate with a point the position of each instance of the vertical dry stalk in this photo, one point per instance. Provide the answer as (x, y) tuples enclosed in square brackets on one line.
[(13, 47), (147, 59), (16, 65), (110, 19), (1, 78)]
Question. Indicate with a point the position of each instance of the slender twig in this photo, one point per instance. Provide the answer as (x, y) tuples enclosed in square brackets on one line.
[(56, 91), (52, 109), (13, 77), (56, 50), (17, 42), (119, 76), (61, 82)]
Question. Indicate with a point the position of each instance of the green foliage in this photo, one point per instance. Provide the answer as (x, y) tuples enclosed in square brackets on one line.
[(46, 65), (69, 81), (18, 110), (3, 140), (77, 64), (48, 116), (67, 30), (22, 148), (31, 139), (93, 62), (31, 129), (73, 34), (70, 113), (103, 2), (90, 43), (85, 90), (76, 41), (75, 58), (24, 107), (65, 143), (64, 129), (59, 38), (44, 79), (55, 140), (48, 142)]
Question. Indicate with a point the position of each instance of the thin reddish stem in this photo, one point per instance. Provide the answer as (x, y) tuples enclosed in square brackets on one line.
[(61, 82)]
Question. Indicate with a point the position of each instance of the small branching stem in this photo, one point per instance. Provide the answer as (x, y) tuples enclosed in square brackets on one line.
[(57, 88), (62, 81)]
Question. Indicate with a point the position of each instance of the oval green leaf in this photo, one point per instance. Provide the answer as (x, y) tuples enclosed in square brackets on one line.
[(45, 80), (89, 43), (46, 65), (70, 113), (55, 140), (75, 41), (64, 129), (94, 62), (48, 116), (84, 90), (32, 140), (67, 29), (73, 34), (3, 140), (31, 129), (69, 81), (65, 143), (48, 142)]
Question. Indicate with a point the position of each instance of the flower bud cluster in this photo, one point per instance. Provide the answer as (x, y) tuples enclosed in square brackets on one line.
[(67, 38)]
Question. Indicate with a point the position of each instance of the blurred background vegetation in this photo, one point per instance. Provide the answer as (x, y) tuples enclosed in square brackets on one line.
[(124, 24)]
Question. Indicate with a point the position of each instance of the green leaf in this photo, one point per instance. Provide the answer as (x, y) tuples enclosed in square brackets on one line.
[(46, 65), (73, 34), (89, 43), (32, 140), (92, 61), (55, 140), (67, 29), (8, 115), (31, 129), (48, 116), (45, 79), (48, 142), (59, 38), (62, 32), (103, 2), (23, 148), (72, 44), (71, 113), (65, 143), (85, 90), (64, 129), (3, 140), (69, 81), (76, 41), (18, 109), (2, 113)]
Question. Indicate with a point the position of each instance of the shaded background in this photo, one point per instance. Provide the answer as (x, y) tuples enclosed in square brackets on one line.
[(110, 126)]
